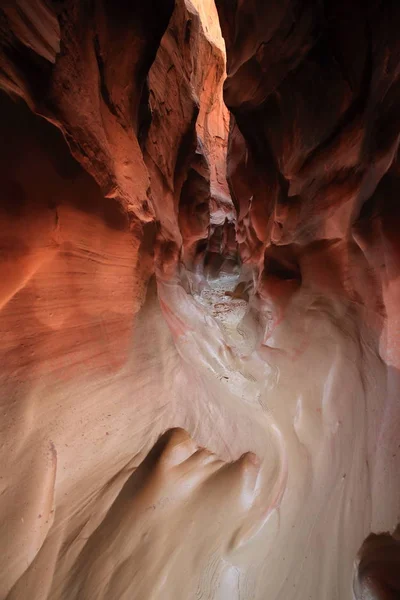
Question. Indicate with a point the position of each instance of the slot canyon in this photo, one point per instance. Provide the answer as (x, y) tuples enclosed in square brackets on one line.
[(200, 300)]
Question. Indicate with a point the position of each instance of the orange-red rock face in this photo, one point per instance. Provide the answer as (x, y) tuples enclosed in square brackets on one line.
[(69, 258), (315, 106), (88, 385), (198, 393), (313, 171), (187, 138)]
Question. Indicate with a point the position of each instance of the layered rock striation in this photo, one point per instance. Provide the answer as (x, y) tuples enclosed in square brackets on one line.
[(199, 300)]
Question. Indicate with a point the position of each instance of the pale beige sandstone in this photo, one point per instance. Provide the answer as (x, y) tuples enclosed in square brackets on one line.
[(170, 437)]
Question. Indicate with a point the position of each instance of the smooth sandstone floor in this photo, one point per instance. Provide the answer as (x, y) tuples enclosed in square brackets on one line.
[(203, 447), (222, 456)]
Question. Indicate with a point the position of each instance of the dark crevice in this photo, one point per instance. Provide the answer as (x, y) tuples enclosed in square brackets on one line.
[(103, 86), (144, 116)]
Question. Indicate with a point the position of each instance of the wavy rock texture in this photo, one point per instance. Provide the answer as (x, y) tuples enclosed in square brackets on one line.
[(199, 357), (312, 166)]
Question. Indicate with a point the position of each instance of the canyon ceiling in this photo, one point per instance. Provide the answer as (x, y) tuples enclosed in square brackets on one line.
[(200, 299)]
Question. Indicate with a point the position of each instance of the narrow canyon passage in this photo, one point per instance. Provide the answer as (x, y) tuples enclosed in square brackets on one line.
[(199, 292)]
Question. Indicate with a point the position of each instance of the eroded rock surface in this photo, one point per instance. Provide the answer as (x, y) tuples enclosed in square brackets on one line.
[(199, 308)]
